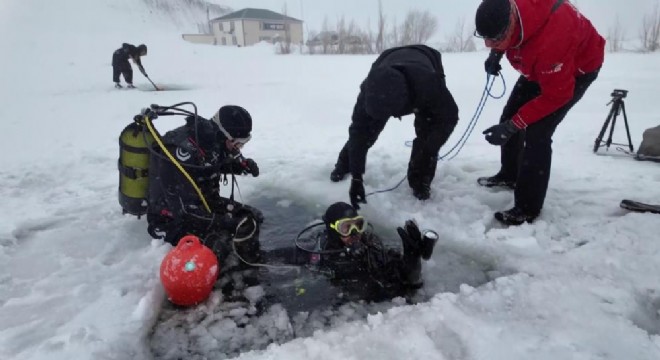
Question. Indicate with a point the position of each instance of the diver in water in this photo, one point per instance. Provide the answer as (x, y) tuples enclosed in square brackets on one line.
[(353, 257)]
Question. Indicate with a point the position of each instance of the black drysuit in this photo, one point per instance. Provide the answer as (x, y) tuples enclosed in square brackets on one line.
[(120, 64), (175, 208), (436, 114), (370, 272)]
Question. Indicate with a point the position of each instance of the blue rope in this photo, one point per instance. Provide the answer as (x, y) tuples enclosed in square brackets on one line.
[(468, 131), (475, 118)]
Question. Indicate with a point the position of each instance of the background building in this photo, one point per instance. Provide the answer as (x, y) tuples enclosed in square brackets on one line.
[(249, 26)]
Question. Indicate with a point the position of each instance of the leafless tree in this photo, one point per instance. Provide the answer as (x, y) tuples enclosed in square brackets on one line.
[(393, 37), (418, 27), (284, 44), (460, 40), (615, 37), (343, 34), (380, 35), (311, 45), (326, 40), (650, 31), (367, 39)]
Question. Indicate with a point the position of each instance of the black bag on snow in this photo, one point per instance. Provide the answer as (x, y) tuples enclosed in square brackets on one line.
[(649, 149)]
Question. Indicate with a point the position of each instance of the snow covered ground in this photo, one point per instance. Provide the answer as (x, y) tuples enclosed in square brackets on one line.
[(80, 281)]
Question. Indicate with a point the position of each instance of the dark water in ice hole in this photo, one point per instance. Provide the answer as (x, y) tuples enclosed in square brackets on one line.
[(285, 304)]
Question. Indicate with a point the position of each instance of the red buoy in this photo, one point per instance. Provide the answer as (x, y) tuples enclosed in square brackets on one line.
[(189, 271)]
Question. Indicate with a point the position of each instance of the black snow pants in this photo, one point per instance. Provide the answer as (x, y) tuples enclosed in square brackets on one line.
[(430, 136), (527, 157), (121, 66)]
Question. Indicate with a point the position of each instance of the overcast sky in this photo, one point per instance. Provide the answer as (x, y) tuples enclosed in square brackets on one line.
[(603, 13)]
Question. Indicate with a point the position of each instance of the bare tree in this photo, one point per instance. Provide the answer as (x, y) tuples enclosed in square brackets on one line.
[(615, 37), (417, 27), (284, 44), (343, 34), (650, 31), (460, 40), (312, 37), (380, 35), (393, 37), (325, 39), (367, 39)]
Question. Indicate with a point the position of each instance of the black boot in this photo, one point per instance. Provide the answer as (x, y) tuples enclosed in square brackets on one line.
[(421, 171), (515, 216), (497, 180)]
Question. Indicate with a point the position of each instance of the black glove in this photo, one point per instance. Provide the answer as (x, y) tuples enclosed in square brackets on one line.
[(499, 134), (492, 64), (251, 167), (411, 238), (142, 71), (356, 193)]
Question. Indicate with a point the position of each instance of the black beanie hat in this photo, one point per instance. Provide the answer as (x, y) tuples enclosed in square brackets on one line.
[(492, 18), (386, 92), (235, 120), (336, 211)]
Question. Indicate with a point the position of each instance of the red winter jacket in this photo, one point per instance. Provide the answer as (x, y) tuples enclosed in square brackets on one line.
[(557, 44)]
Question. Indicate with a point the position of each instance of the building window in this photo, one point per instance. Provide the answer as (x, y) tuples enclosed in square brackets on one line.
[(233, 40), (224, 40), (272, 26), (231, 27)]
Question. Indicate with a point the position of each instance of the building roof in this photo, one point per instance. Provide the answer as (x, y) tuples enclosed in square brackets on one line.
[(255, 14)]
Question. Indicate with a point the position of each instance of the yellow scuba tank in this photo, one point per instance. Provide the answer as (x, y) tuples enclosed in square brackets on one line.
[(134, 143)]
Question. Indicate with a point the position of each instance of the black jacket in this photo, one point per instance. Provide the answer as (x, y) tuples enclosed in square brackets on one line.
[(175, 207), (428, 94), (120, 56)]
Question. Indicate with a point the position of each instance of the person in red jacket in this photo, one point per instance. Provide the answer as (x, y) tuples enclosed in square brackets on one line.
[(558, 53)]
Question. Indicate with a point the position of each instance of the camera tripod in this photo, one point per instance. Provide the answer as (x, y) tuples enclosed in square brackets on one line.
[(618, 107)]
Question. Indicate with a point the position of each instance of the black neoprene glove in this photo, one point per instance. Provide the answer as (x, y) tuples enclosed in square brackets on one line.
[(501, 133), (492, 63), (251, 167), (411, 237)]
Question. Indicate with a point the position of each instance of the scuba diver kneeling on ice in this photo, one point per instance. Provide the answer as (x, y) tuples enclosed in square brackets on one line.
[(355, 258), (184, 183), (175, 179)]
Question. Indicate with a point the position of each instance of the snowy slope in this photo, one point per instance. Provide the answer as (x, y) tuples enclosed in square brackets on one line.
[(79, 280)]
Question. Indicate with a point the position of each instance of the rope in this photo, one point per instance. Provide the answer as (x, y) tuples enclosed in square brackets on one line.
[(466, 134), (473, 122), (236, 240)]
